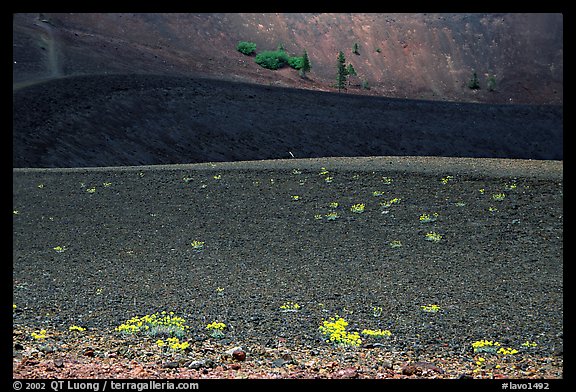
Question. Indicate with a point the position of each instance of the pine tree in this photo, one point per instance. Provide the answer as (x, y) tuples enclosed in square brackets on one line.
[(474, 84), (350, 71), (305, 64), (342, 73)]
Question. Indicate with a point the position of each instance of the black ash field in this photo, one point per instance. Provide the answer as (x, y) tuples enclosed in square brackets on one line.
[(496, 273)]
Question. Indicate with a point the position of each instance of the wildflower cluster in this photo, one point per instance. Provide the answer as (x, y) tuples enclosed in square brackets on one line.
[(529, 344), (387, 204), (155, 325), (290, 306), (425, 218), (434, 237), (485, 346), (395, 244), (59, 249), (433, 308), (377, 333), (357, 208), (76, 328), (217, 329), (335, 332), (499, 196), (507, 351), (197, 245), (39, 335), (446, 179), (173, 343)]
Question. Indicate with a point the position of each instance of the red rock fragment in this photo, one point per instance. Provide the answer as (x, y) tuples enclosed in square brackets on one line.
[(239, 355)]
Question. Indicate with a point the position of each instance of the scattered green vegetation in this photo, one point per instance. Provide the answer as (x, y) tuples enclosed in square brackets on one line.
[(59, 249), (377, 311), (395, 244), (498, 196)]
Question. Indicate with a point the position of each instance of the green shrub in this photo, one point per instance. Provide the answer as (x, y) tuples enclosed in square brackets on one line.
[(296, 62), (246, 48), (272, 59)]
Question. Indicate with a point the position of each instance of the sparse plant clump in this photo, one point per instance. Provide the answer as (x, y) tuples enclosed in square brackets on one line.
[(358, 208)]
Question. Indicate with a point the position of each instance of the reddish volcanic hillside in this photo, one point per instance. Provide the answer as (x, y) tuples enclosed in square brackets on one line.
[(429, 56)]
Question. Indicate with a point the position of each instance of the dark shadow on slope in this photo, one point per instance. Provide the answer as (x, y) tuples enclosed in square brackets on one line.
[(144, 119)]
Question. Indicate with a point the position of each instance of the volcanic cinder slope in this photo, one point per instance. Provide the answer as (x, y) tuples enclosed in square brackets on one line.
[(422, 56)]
